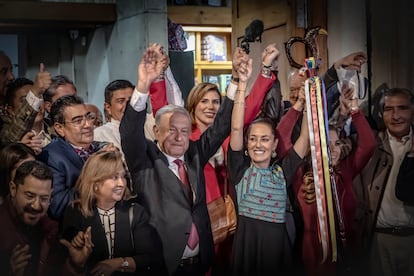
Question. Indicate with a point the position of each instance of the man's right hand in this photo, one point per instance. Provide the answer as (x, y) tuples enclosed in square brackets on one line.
[(42, 81), (19, 259)]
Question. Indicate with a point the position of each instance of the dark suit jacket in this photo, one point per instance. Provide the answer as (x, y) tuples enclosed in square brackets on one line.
[(162, 193), (66, 166), (136, 239)]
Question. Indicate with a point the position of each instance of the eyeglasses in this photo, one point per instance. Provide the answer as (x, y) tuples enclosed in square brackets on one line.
[(80, 120)]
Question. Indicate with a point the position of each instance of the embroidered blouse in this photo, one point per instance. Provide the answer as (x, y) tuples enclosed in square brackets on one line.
[(261, 194)]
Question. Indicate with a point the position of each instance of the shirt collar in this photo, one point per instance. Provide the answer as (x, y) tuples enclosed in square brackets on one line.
[(404, 139), (172, 159)]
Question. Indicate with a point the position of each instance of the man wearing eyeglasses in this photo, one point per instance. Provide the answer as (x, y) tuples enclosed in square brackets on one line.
[(28, 237), (67, 153)]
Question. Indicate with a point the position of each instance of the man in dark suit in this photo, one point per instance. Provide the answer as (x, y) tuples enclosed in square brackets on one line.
[(174, 208), (66, 154)]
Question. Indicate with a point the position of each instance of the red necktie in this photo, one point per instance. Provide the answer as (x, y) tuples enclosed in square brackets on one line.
[(182, 173), (193, 238)]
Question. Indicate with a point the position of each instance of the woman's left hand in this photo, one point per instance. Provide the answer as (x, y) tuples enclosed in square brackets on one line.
[(245, 70)]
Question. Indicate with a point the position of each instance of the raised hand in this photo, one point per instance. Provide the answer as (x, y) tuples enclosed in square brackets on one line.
[(245, 70), (300, 102), (352, 61), (347, 100), (270, 55), (19, 259), (239, 56), (42, 81), (150, 67), (80, 248), (308, 188)]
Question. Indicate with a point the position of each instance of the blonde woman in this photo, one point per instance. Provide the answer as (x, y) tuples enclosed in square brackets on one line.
[(108, 232)]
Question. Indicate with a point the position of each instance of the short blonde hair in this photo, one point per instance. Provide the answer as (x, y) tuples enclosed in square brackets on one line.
[(99, 166)]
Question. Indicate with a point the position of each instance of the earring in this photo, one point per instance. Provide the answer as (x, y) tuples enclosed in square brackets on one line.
[(246, 153), (274, 154)]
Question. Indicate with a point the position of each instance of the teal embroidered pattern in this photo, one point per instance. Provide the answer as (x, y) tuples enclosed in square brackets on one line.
[(261, 194)]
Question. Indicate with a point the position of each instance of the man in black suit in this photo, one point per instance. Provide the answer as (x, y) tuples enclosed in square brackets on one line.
[(174, 208)]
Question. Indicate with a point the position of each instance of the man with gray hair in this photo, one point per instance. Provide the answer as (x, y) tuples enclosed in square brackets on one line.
[(388, 213), (168, 175)]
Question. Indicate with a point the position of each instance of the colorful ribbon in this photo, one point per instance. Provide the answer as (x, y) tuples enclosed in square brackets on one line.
[(321, 163)]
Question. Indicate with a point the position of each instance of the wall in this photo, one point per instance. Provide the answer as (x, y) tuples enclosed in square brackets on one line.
[(8, 44), (380, 28), (115, 51), (93, 58), (278, 27)]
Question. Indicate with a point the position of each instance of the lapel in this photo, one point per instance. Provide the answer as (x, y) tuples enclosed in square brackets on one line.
[(192, 169), (98, 237), (123, 232), (70, 153)]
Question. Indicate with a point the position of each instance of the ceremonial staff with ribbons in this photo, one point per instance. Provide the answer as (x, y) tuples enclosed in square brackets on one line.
[(327, 201), (329, 215)]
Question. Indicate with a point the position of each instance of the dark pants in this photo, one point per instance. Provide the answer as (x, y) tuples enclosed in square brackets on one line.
[(189, 268)]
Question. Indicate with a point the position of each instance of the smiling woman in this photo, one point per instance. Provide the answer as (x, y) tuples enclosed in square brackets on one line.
[(104, 229)]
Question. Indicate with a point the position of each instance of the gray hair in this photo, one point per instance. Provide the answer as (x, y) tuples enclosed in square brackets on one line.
[(395, 92), (171, 108)]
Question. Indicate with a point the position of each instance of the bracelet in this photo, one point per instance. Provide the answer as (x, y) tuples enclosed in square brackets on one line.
[(239, 90), (267, 72), (353, 109), (235, 79), (266, 66), (161, 76)]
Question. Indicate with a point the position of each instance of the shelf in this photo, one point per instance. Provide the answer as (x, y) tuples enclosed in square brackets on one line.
[(212, 51)]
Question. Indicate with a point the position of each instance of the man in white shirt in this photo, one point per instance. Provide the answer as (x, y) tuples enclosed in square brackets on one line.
[(117, 94), (390, 219)]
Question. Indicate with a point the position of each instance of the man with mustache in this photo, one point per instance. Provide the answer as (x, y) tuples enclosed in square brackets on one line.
[(27, 235)]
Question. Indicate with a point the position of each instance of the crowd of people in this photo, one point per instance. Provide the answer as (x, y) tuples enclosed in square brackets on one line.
[(126, 192)]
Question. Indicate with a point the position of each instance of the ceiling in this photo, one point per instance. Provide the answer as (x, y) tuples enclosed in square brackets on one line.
[(20, 16)]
